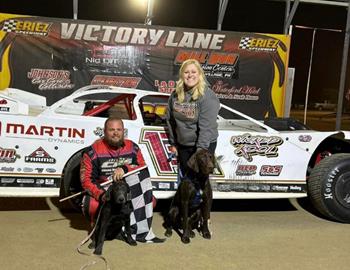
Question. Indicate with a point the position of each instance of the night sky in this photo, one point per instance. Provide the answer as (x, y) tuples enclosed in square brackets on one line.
[(260, 16)]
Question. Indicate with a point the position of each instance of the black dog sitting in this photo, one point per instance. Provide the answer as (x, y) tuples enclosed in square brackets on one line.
[(114, 214), (187, 212)]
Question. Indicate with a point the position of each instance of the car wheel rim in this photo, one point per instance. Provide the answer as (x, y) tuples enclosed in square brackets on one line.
[(342, 190)]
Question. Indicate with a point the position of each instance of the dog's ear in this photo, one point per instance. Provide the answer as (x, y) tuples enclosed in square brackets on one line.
[(108, 194), (192, 163)]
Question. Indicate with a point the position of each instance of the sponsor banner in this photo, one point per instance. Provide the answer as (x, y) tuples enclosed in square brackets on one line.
[(241, 68)]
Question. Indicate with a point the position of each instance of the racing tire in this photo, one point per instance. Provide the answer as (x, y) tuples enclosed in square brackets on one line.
[(71, 181), (329, 187)]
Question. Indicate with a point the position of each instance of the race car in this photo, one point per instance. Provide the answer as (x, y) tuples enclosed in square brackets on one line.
[(41, 148)]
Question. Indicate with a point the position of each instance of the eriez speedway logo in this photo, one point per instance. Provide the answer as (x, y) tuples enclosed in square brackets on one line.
[(248, 146), (259, 44), (26, 27)]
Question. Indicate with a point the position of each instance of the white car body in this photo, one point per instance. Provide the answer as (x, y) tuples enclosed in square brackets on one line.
[(254, 160)]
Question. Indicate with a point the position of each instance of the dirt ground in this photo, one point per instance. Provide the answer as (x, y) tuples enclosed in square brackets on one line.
[(247, 234), (321, 120)]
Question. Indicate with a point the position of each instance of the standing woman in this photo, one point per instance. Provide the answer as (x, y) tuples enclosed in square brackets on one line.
[(191, 115)]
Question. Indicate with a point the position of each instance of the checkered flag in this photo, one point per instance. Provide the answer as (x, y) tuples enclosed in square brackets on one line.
[(141, 198), (244, 43), (9, 26)]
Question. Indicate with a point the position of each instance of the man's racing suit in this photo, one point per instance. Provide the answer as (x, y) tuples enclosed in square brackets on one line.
[(99, 162)]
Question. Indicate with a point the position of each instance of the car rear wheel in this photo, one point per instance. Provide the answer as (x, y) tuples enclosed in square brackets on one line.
[(71, 181), (329, 187)]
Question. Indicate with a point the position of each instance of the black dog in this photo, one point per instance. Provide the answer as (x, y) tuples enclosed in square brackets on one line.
[(184, 212), (114, 214)]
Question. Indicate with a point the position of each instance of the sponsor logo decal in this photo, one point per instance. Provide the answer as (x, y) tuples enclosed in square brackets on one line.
[(8, 155), (120, 81), (224, 90), (7, 169), (26, 27), (25, 181), (258, 44), (279, 188), (270, 170), (50, 79), (305, 138), (7, 180), (165, 86), (27, 169), (248, 146), (40, 156), (4, 109), (214, 64), (54, 134), (246, 170), (99, 132)]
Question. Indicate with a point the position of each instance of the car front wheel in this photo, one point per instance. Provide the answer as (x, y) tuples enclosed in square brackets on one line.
[(71, 181), (329, 187)]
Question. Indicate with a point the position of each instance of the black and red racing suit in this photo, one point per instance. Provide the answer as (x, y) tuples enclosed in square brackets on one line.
[(99, 162)]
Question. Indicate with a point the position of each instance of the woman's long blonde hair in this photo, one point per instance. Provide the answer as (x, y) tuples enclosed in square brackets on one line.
[(198, 90)]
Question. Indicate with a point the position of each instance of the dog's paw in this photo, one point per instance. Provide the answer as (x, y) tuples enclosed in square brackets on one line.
[(98, 251), (185, 239), (168, 233), (207, 235), (91, 245), (132, 242), (192, 234)]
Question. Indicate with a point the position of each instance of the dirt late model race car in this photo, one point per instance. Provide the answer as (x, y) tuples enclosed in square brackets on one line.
[(41, 148)]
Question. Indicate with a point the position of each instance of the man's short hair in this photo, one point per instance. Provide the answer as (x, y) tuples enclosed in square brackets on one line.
[(113, 118)]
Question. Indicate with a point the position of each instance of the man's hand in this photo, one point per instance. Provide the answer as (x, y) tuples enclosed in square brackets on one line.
[(118, 174)]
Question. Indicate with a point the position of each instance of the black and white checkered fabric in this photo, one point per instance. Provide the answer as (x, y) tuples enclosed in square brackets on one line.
[(9, 26), (244, 43), (141, 198)]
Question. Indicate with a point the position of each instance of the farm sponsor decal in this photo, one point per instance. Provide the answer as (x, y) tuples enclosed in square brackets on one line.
[(270, 170), (50, 79), (39, 156), (248, 146), (8, 155), (55, 134)]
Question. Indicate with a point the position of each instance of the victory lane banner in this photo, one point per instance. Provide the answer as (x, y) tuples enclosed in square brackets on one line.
[(54, 57)]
